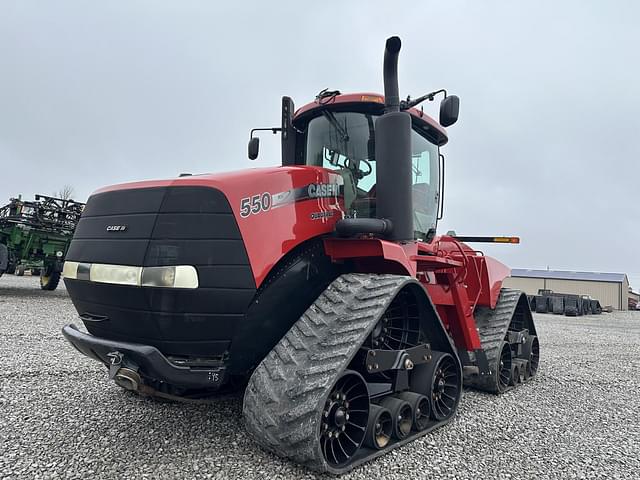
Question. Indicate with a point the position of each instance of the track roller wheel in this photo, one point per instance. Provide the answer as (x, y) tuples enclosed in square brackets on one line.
[(379, 427), (421, 409), (402, 415), (440, 381), (531, 353), (504, 367), (344, 419), (515, 375)]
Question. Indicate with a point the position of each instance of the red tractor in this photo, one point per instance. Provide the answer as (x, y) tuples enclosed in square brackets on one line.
[(319, 285)]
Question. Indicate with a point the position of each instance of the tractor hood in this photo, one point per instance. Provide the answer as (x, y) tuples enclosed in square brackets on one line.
[(275, 209), (224, 232)]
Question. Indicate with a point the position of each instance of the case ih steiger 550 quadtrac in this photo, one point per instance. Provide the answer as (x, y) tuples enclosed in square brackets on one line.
[(321, 281)]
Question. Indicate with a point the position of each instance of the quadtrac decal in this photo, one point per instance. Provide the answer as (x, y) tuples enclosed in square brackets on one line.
[(322, 215), (263, 202)]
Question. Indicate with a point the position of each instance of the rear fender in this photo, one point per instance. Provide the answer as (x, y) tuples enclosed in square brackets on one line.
[(373, 255), (484, 279)]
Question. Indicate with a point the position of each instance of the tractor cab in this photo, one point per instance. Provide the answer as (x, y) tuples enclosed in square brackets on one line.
[(338, 132)]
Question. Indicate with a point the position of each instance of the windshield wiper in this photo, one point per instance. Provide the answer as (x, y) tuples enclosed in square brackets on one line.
[(335, 124)]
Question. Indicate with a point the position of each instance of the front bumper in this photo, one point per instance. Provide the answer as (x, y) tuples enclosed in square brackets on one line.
[(149, 361)]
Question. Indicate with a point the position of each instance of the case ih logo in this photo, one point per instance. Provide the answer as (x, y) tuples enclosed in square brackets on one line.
[(323, 190), (116, 228)]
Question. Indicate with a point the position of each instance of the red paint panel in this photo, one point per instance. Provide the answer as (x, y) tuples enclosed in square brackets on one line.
[(496, 273)]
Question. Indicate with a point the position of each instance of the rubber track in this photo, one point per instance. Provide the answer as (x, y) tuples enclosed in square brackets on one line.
[(492, 328), (287, 392)]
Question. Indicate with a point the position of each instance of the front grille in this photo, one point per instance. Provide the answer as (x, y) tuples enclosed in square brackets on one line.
[(164, 226)]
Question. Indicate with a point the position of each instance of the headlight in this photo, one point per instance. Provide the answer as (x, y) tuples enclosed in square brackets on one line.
[(118, 274), (181, 276), (70, 270), (178, 276)]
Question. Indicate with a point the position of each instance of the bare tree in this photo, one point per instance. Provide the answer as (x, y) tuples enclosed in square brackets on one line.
[(65, 193)]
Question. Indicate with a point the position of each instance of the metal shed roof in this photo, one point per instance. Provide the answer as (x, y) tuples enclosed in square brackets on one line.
[(568, 275)]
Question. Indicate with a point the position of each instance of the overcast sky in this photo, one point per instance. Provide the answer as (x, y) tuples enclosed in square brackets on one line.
[(547, 146)]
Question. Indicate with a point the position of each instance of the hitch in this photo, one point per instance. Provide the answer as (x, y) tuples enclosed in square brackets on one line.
[(125, 376)]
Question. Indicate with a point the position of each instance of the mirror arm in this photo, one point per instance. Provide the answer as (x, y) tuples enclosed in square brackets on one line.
[(273, 130), (408, 103), (254, 145)]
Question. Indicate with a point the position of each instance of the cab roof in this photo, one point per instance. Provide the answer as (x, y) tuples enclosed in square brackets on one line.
[(373, 103)]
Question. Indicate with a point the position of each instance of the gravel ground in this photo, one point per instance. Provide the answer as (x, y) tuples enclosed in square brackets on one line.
[(61, 418)]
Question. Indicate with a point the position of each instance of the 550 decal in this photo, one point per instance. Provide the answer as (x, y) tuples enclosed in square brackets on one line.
[(255, 204), (265, 201)]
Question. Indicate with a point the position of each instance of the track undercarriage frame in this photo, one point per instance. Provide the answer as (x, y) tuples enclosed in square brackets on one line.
[(296, 400)]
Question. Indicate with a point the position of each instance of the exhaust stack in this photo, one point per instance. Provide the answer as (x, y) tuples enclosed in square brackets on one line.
[(390, 75), (393, 153)]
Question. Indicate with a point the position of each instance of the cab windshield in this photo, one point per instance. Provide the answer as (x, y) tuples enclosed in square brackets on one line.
[(345, 142)]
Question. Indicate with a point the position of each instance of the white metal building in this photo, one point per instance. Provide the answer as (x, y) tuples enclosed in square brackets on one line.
[(634, 298), (610, 288)]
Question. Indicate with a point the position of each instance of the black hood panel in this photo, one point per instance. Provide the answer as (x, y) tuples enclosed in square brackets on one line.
[(162, 226)]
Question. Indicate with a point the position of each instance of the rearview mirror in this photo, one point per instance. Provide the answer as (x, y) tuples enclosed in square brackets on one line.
[(254, 147), (449, 109)]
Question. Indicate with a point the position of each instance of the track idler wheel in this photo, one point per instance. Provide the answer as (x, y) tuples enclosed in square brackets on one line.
[(421, 409), (531, 353), (401, 414), (379, 428), (504, 367), (344, 419), (439, 381)]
